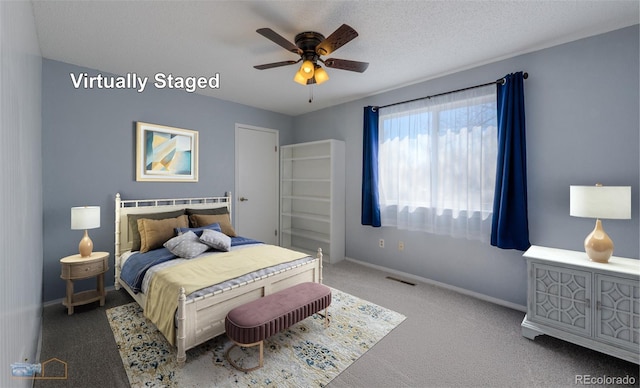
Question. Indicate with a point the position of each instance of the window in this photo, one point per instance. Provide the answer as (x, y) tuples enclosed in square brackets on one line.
[(437, 164)]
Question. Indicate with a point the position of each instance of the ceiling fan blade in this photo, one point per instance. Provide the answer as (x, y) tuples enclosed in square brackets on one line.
[(276, 64), (344, 64), (279, 40), (343, 35)]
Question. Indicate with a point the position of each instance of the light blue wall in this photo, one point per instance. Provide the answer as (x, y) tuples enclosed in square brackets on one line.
[(20, 189), (88, 155), (582, 128)]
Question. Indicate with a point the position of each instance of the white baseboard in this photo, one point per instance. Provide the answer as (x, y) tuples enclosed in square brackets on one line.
[(59, 301), (38, 345), (464, 291), (52, 302)]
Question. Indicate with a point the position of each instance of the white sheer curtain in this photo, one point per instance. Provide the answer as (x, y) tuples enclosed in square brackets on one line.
[(437, 164)]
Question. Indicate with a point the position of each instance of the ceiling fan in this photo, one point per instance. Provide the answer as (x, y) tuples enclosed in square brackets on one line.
[(310, 46)]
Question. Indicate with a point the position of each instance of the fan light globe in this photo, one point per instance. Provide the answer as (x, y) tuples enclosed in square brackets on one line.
[(299, 78), (307, 69), (320, 75)]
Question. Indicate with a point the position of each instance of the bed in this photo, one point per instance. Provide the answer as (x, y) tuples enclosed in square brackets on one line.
[(199, 316)]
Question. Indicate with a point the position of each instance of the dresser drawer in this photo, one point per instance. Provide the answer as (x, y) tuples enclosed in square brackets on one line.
[(83, 270)]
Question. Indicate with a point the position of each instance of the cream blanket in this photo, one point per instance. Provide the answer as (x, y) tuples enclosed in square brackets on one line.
[(204, 271)]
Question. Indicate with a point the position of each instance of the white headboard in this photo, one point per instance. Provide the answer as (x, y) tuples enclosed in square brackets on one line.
[(142, 206)]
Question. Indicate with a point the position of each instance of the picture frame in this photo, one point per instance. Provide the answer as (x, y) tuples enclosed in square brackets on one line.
[(166, 154)]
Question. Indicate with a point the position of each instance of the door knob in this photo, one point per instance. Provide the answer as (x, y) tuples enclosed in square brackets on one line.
[(243, 199)]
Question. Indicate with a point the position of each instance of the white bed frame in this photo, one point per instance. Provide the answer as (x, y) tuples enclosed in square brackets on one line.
[(201, 319)]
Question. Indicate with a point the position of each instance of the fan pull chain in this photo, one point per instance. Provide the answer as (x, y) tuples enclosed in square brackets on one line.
[(310, 93)]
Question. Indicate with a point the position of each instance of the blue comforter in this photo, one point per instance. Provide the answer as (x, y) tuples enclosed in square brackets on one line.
[(137, 265)]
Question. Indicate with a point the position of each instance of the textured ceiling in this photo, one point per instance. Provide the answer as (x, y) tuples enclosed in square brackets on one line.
[(404, 41)]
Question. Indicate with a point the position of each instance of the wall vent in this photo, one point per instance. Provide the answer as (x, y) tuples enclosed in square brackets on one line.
[(401, 281)]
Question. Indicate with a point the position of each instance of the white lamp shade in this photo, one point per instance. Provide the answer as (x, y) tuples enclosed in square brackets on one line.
[(606, 202), (85, 217)]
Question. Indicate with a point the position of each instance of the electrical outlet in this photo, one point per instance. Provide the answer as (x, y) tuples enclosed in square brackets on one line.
[(401, 245), (381, 243)]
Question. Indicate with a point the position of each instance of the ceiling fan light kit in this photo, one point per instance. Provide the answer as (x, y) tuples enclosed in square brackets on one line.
[(310, 46)]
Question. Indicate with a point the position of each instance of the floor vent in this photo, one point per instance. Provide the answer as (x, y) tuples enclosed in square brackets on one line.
[(401, 281)]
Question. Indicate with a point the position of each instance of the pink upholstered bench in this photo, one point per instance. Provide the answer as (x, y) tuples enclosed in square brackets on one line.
[(252, 323)]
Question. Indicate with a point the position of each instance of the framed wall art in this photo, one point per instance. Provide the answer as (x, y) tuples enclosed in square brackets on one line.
[(166, 154)]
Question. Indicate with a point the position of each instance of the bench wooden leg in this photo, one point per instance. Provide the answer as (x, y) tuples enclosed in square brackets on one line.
[(261, 357)]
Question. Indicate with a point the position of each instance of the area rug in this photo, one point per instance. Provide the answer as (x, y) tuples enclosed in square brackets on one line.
[(305, 355)]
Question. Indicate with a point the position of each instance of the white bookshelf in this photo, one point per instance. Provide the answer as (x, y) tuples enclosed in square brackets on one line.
[(312, 198)]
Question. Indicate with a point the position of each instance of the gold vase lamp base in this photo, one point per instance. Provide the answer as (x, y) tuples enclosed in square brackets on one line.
[(86, 245), (598, 245)]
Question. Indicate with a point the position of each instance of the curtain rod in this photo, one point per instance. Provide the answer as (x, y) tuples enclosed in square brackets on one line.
[(501, 81)]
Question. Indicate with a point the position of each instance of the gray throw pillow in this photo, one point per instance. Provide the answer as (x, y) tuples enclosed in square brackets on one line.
[(216, 240), (187, 245)]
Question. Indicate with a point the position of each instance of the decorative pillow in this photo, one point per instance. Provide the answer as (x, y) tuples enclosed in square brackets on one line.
[(186, 245), (133, 224), (216, 240), (200, 220), (209, 211), (154, 233), (198, 231)]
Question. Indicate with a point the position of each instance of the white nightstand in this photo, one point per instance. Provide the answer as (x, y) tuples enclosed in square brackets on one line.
[(75, 268)]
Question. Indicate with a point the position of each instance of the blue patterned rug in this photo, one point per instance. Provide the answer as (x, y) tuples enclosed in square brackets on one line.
[(305, 355)]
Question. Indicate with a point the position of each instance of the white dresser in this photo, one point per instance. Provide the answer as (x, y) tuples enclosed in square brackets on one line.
[(595, 305)]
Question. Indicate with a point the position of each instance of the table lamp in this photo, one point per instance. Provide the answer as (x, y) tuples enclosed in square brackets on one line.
[(85, 217), (606, 202)]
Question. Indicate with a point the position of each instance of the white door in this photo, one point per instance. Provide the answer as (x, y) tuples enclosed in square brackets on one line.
[(257, 182)]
